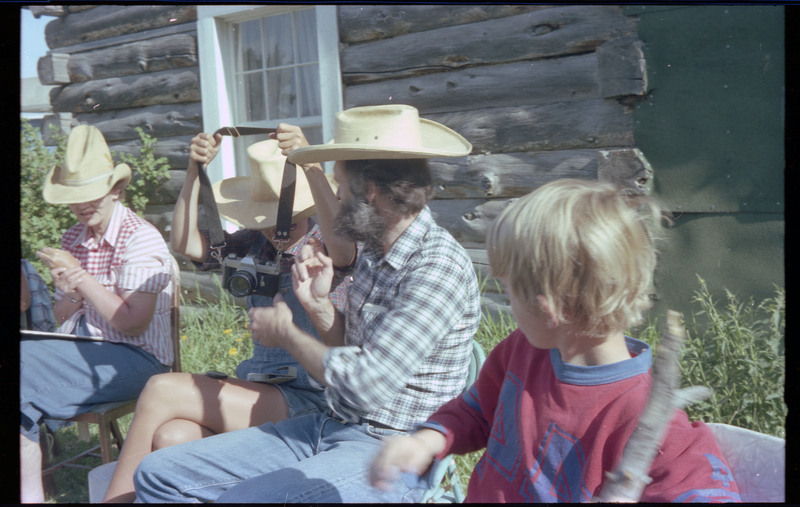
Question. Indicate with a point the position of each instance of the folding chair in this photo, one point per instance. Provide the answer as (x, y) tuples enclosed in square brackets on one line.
[(446, 468), (105, 415), (757, 462)]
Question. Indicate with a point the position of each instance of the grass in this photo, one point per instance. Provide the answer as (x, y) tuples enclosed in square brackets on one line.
[(734, 347)]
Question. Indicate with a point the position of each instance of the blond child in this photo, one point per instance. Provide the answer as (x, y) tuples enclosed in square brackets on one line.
[(557, 400)]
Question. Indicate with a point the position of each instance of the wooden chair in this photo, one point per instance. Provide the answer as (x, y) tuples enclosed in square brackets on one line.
[(105, 415)]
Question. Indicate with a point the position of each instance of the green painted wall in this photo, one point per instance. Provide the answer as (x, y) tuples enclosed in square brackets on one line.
[(712, 126)]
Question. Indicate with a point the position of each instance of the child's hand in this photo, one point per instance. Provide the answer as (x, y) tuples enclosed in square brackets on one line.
[(400, 454)]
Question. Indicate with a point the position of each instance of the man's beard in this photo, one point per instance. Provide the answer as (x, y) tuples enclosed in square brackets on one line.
[(359, 221)]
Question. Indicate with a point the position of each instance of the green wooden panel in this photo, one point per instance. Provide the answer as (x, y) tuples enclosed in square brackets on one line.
[(712, 127), (712, 124), (740, 252)]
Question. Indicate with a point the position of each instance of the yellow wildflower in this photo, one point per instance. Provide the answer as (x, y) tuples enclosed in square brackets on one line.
[(227, 331), (233, 351), (184, 337)]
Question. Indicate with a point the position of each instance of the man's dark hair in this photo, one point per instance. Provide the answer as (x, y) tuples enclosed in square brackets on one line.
[(406, 182)]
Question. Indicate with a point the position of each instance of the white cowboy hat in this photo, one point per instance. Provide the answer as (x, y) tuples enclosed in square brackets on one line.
[(251, 201), (392, 131), (88, 172)]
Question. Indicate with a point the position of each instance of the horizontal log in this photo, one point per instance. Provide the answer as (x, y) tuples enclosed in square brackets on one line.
[(467, 219), (159, 121), (360, 23), (567, 126), (152, 55), (175, 149), (160, 215), (546, 33), (52, 69), (165, 87), (627, 168), (567, 79), (167, 192), (106, 21), (56, 10), (621, 68), (509, 174)]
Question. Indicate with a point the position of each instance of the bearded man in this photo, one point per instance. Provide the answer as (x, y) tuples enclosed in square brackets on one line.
[(401, 349)]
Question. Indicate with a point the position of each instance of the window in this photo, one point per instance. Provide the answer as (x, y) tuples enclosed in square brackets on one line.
[(260, 66)]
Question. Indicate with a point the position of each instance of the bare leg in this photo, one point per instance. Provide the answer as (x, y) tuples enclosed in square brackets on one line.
[(179, 431), (30, 459), (218, 406)]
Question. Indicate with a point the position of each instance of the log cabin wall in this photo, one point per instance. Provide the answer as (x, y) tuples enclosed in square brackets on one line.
[(542, 92), (122, 67)]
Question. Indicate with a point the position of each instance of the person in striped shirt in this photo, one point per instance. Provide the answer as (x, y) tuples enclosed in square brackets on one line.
[(112, 279)]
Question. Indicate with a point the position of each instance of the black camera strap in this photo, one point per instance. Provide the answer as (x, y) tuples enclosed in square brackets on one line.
[(283, 222)]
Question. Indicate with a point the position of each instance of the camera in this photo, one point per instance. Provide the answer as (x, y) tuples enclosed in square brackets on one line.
[(242, 277)]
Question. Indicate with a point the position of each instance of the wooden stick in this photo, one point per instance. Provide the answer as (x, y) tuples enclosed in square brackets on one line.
[(627, 482)]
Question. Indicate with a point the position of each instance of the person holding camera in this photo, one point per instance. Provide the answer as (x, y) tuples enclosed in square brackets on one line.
[(112, 279), (271, 385), (399, 351)]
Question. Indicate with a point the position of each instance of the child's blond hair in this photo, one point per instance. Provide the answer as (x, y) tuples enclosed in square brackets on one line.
[(585, 246)]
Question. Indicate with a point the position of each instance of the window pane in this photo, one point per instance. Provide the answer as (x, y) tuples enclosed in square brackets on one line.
[(250, 45), (306, 26), (255, 108), (308, 89), (282, 97), (313, 134), (278, 32)]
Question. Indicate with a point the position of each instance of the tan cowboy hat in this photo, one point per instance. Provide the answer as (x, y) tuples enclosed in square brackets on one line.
[(392, 131), (88, 173), (251, 201)]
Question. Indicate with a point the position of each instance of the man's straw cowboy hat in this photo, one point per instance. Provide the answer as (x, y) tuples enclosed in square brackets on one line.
[(384, 132), (251, 201), (88, 172)]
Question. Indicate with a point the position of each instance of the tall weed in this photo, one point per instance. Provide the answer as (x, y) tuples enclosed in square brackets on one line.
[(738, 350)]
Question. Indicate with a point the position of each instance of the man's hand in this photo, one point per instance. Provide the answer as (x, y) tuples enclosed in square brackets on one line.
[(270, 325), (289, 137), (399, 455), (312, 274), (57, 258)]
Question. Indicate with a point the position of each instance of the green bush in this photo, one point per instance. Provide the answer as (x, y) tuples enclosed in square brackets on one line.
[(41, 223), (148, 172)]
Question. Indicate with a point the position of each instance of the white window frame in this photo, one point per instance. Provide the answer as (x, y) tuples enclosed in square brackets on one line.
[(216, 74)]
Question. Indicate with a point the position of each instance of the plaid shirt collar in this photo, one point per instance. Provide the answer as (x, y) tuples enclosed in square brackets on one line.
[(109, 236), (405, 245)]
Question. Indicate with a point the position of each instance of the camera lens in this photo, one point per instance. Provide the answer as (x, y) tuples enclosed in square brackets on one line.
[(241, 283)]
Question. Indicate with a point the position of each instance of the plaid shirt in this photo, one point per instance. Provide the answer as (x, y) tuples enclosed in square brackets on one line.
[(131, 255), (240, 242), (411, 317), (40, 314)]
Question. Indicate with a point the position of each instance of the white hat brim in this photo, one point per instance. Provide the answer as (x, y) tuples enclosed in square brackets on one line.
[(438, 141)]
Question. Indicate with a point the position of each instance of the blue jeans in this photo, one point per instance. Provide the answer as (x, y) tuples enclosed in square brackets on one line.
[(59, 379), (309, 459)]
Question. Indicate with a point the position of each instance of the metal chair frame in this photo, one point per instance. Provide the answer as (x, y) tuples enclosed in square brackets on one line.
[(446, 469)]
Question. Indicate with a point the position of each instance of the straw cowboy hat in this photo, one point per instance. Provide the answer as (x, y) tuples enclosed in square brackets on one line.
[(384, 132), (251, 201), (88, 173)]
